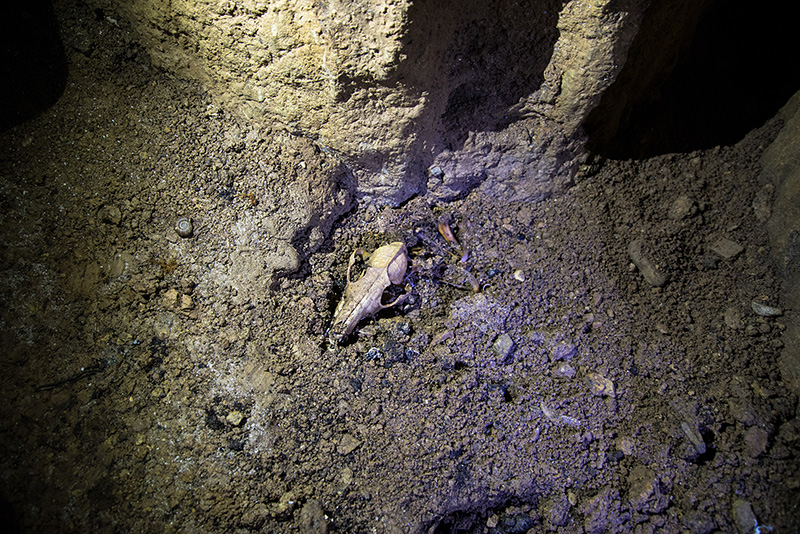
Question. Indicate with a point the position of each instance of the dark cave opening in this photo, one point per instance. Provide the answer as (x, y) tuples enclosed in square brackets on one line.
[(698, 75), (33, 67)]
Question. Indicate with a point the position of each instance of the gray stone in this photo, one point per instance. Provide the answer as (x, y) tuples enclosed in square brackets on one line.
[(744, 516), (726, 248), (765, 311), (503, 346), (682, 208), (347, 444), (653, 273), (756, 441), (563, 351), (565, 370)]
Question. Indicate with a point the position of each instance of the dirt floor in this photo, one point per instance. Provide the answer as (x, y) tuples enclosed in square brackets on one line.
[(610, 373)]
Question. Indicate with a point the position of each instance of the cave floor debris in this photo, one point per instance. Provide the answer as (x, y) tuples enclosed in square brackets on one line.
[(158, 383)]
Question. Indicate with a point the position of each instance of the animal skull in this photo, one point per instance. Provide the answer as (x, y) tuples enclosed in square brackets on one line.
[(362, 298)]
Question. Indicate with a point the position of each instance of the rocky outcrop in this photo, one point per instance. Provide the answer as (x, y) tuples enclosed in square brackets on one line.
[(426, 97), (781, 169)]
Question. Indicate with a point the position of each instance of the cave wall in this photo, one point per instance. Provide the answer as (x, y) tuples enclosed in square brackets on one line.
[(781, 170), (416, 97)]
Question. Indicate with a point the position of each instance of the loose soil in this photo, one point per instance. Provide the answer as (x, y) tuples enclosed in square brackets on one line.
[(156, 383)]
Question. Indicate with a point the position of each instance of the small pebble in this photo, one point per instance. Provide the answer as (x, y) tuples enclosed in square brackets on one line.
[(726, 248), (709, 261), (566, 370), (347, 444), (762, 203), (170, 299), (756, 441), (235, 418), (681, 208), (626, 445), (186, 303), (564, 351), (285, 506), (503, 346), (600, 385), (694, 436), (110, 214)]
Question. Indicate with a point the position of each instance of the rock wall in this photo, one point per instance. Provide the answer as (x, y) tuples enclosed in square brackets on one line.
[(416, 97), (781, 170)]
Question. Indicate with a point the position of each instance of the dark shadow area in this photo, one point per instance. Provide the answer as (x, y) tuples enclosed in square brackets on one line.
[(477, 60), (8, 517), (699, 74), (33, 68), (493, 63)]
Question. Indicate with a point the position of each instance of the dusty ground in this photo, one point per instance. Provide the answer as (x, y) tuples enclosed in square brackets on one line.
[(153, 383)]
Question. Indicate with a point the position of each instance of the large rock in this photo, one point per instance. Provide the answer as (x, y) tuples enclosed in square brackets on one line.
[(439, 96)]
